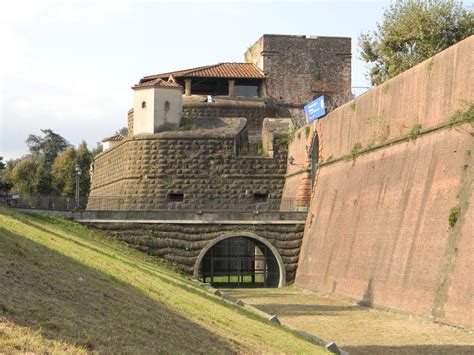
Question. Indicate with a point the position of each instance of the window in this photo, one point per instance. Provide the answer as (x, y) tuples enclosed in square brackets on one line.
[(260, 197), (246, 90), (167, 106), (143, 104), (175, 197)]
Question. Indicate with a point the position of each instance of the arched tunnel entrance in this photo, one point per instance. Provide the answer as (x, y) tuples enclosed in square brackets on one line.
[(240, 261)]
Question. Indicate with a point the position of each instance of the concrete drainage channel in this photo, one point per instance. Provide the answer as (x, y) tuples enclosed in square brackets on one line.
[(332, 347)]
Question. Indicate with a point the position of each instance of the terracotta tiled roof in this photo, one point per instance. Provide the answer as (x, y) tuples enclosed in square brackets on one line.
[(221, 70), (156, 82), (115, 138)]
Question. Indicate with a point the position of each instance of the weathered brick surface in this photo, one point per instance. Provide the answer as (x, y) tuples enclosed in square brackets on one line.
[(300, 68), (378, 227), (143, 170), (182, 243), (427, 94)]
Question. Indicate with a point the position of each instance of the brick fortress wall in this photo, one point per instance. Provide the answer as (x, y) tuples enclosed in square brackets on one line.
[(300, 68), (142, 171), (393, 166)]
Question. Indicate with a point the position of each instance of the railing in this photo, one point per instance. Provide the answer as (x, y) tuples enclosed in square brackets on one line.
[(113, 203), (153, 204), (56, 203)]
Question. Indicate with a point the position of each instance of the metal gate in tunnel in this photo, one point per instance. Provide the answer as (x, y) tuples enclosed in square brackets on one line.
[(239, 262)]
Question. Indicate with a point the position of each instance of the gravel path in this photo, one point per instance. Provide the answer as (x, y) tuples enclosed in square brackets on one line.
[(357, 329)]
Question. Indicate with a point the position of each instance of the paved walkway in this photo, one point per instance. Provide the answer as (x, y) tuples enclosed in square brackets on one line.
[(356, 329)]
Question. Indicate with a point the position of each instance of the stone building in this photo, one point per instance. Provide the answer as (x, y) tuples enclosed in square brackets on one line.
[(281, 73), (217, 135), (298, 68)]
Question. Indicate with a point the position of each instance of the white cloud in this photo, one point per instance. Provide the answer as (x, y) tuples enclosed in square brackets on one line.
[(74, 104)]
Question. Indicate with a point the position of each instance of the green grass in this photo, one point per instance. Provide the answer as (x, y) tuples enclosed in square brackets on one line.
[(65, 288)]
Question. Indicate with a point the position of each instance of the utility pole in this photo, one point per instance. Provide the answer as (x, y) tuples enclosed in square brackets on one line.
[(78, 171)]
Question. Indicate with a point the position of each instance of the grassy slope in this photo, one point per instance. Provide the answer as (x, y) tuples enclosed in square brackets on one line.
[(64, 287)]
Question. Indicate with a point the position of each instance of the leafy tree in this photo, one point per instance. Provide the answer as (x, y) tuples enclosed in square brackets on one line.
[(123, 131), (48, 146), (50, 168), (24, 176), (4, 184), (63, 173), (44, 184), (99, 148), (412, 31), (84, 159), (7, 173)]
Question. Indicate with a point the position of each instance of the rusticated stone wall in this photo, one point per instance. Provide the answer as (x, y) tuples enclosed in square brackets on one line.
[(182, 243), (204, 165), (130, 121), (391, 215)]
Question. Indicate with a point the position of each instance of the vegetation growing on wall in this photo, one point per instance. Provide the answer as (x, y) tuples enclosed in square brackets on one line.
[(356, 150), (186, 124), (381, 130), (292, 134), (453, 216), (460, 116), (353, 105), (415, 131)]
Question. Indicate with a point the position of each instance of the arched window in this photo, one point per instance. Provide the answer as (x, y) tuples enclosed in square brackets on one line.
[(167, 106), (143, 104)]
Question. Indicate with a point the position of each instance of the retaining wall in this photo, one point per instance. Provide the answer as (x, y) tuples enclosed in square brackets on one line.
[(393, 165), (181, 243)]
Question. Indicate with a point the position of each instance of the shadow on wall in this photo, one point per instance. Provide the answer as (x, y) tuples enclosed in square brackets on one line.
[(67, 301), (368, 299)]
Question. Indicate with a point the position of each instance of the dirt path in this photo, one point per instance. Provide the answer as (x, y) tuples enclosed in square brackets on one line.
[(357, 329)]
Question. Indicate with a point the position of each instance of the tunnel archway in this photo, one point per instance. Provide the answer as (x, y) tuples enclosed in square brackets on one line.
[(240, 260)]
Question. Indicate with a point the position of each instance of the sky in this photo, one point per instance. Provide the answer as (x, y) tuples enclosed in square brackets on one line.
[(69, 65)]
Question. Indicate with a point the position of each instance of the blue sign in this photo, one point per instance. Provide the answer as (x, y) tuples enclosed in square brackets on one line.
[(315, 109)]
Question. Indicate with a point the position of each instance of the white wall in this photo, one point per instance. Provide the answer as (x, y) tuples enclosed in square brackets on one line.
[(165, 120), (154, 118), (143, 118)]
